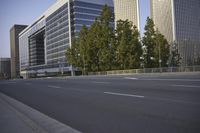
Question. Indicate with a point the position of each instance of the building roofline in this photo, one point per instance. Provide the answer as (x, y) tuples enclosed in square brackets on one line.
[(18, 25), (5, 59), (45, 14), (56, 6)]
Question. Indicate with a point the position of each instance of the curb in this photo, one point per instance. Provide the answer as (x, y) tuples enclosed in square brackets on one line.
[(36, 120)]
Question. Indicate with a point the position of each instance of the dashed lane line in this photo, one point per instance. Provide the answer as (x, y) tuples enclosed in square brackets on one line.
[(51, 86), (121, 94), (186, 86)]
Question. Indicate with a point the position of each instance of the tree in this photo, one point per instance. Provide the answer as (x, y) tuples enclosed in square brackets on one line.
[(101, 48), (73, 53), (135, 49), (161, 50), (107, 39), (174, 59), (128, 45), (123, 40), (156, 47), (149, 44), (83, 46), (94, 44)]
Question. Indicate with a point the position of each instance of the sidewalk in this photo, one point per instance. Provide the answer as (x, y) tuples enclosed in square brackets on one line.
[(16, 117), (12, 121)]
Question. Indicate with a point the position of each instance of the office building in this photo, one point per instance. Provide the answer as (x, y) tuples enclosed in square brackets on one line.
[(127, 9), (14, 49), (179, 22), (43, 44), (5, 68)]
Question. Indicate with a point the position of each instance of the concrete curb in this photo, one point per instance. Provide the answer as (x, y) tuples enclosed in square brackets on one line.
[(37, 121)]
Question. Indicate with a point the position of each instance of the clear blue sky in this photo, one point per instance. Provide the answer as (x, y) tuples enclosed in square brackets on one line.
[(25, 11)]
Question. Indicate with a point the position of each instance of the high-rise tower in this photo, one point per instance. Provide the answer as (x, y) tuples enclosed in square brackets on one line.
[(179, 21), (14, 49), (127, 9)]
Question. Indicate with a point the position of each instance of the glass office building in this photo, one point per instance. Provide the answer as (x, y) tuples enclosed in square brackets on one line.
[(44, 43), (179, 21), (127, 9)]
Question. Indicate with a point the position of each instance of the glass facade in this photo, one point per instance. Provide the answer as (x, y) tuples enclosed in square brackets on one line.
[(187, 23), (127, 9), (24, 43), (36, 49), (60, 23), (179, 20), (57, 36), (24, 52), (161, 13), (84, 13)]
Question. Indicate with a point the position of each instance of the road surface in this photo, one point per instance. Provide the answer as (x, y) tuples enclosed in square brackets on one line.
[(115, 104)]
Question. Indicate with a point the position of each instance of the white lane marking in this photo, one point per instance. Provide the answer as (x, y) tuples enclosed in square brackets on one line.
[(152, 98), (187, 86), (98, 82), (121, 94), (51, 86), (131, 78)]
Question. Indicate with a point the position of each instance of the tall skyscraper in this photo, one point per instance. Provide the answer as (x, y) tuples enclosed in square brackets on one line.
[(14, 49), (127, 9), (43, 44), (179, 21)]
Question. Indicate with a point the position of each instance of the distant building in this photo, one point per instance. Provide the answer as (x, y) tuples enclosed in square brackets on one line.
[(127, 9), (5, 68), (14, 47), (179, 21), (43, 44)]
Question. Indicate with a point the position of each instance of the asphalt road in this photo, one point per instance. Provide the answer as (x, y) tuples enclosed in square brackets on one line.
[(115, 104)]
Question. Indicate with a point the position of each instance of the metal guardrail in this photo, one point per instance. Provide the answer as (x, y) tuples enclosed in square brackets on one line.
[(150, 70)]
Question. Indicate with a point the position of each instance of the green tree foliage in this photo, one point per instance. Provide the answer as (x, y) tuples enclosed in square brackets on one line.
[(101, 48), (128, 45), (83, 46), (149, 44), (161, 50), (123, 40), (175, 58), (156, 46), (94, 44), (73, 53), (106, 40), (135, 49)]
